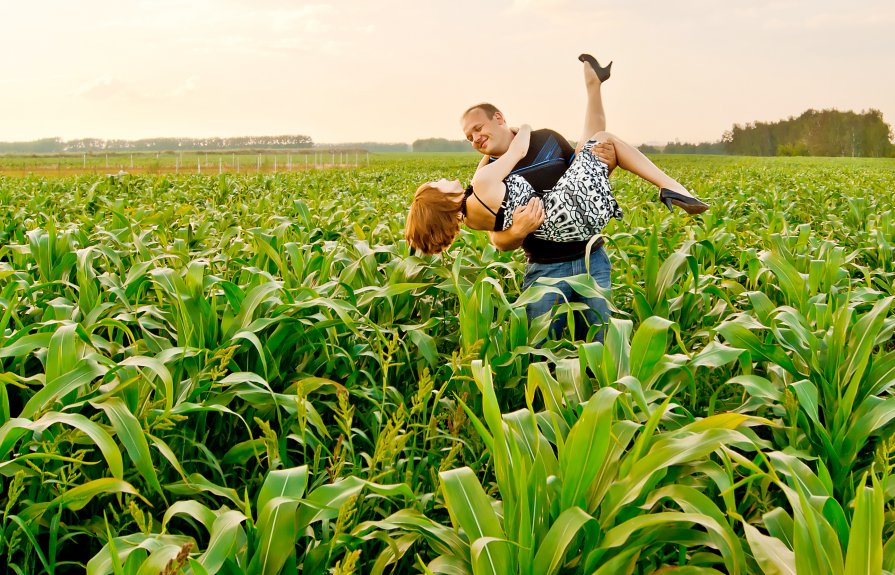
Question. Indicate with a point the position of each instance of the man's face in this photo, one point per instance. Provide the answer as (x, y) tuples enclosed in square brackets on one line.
[(491, 136)]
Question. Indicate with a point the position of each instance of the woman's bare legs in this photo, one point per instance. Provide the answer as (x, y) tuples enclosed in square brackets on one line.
[(627, 156), (633, 160), (594, 116)]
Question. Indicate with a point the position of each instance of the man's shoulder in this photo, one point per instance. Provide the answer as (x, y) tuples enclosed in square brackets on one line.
[(547, 133), (548, 139), (547, 147)]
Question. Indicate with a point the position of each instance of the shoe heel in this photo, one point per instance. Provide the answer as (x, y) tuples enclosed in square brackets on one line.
[(689, 204), (667, 202), (603, 72)]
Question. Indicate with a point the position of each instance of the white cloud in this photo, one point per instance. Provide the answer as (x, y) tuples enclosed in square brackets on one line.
[(314, 19), (101, 89), (187, 87), (540, 4), (108, 88)]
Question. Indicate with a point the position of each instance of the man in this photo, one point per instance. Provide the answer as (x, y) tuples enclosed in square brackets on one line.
[(548, 157)]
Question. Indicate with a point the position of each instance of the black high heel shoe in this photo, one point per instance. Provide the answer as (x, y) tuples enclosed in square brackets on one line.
[(602, 73), (689, 204)]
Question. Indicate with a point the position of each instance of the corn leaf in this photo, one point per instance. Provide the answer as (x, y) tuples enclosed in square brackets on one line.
[(131, 435)]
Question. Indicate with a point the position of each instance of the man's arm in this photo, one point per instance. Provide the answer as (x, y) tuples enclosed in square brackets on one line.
[(605, 151), (490, 176), (526, 219)]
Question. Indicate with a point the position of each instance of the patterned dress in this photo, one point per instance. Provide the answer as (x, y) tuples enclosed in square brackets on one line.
[(576, 209)]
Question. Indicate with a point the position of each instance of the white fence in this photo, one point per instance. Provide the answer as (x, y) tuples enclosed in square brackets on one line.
[(190, 162)]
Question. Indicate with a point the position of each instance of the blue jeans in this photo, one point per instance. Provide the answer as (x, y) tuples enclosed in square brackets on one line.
[(598, 310)]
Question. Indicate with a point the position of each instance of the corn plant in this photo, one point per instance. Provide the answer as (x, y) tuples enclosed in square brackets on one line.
[(190, 365)]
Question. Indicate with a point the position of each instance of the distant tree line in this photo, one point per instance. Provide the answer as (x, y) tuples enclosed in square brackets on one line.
[(814, 133), (440, 145), (379, 147), (60, 146), (706, 148)]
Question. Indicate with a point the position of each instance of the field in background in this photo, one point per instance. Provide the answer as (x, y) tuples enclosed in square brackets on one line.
[(264, 162), (211, 163), (248, 373)]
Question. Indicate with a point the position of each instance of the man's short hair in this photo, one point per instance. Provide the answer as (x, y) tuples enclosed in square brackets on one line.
[(489, 109)]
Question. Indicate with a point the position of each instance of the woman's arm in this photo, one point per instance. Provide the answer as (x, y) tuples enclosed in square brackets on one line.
[(488, 179)]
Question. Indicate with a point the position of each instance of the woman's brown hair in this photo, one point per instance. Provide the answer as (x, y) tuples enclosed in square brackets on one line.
[(433, 221)]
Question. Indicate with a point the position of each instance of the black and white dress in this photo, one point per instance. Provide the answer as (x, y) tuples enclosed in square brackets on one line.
[(576, 209)]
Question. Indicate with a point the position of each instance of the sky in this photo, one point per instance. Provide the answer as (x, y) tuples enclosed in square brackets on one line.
[(396, 71)]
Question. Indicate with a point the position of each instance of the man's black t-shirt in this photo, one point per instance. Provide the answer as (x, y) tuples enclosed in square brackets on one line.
[(549, 155)]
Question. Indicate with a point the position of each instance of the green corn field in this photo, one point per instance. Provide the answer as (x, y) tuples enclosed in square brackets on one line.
[(252, 373)]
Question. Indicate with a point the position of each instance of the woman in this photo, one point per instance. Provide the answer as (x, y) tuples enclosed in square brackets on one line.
[(577, 208)]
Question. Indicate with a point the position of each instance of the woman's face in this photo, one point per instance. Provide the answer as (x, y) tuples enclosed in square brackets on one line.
[(448, 186)]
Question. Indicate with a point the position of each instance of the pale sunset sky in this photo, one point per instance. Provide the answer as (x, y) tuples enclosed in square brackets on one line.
[(395, 71)]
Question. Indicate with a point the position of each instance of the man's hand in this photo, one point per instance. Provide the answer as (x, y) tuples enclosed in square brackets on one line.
[(529, 217), (526, 219), (605, 151)]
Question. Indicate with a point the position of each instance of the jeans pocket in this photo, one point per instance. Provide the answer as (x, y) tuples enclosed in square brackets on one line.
[(601, 268), (532, 272)]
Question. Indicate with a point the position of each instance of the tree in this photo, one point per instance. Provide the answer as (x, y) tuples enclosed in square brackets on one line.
[(816, 133), (440, 145)]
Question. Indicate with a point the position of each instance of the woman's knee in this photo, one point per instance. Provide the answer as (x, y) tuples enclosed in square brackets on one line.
[(604, 136)]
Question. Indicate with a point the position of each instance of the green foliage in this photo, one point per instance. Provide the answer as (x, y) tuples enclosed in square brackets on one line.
[(252, 373), (439, 145), (814, 133)]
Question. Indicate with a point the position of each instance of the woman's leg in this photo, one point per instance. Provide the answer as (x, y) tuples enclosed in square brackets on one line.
[(631, 159), (594, 116)]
